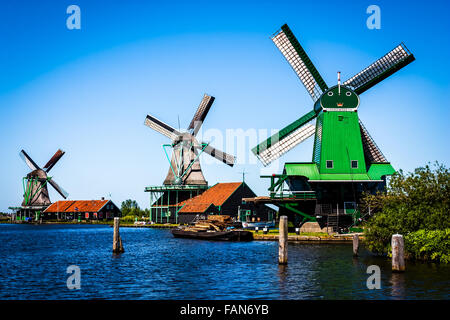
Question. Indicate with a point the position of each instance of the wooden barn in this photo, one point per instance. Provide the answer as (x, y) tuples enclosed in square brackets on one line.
[(82, 210), (226, 199)]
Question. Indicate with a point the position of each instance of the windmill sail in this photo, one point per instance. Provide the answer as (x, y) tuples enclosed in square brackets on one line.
[(60, 190), (53, 160), (161, 127), (286, 139), (27, 159), (220, 155), (372, 153), (300, 62), (200, 114), (380, 69)]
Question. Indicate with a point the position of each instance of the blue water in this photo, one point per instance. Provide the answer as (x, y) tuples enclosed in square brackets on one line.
[(155, 265)]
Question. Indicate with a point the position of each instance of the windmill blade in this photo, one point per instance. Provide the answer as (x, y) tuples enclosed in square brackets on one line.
[(58, 154), (161, 127), (27, 159), (285, 139), (380, 69), (220, 155), (200, 114), (372, 153), (300, 62), (60, 190)]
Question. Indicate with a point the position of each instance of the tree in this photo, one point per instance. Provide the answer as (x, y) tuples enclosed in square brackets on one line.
[(130, 207), (414, 201)]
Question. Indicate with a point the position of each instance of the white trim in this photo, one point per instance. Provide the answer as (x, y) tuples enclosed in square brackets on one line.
[(340, 109)]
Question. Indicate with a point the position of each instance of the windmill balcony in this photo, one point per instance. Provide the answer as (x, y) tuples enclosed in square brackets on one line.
[(297, 195)]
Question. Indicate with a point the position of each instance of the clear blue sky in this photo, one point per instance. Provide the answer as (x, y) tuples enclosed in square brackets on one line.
[(87, 91)]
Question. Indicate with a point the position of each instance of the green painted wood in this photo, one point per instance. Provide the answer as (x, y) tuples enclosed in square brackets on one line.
[(378, 170), (341, 143)]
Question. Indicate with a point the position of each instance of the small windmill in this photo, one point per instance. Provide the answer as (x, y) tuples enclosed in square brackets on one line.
[(35, 183), (184, 163), (346, 160)]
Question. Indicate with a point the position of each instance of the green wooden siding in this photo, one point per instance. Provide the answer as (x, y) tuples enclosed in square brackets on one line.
[(341, 143)]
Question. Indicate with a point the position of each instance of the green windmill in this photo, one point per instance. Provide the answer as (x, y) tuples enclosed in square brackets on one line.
[(346, 160)]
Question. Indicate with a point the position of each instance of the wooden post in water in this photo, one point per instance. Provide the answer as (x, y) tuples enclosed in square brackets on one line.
[(283, 237), (398, 255), (355, 245), (117, 240)]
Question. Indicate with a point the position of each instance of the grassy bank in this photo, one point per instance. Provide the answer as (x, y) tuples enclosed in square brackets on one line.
[(276, 232), (307, 238)]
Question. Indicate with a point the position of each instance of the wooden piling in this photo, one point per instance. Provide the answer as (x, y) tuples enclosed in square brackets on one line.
[(117, 240), (355, 245), (398, 254), (283, 237)]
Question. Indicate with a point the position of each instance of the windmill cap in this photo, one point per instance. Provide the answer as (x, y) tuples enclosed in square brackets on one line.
[(343, 98)]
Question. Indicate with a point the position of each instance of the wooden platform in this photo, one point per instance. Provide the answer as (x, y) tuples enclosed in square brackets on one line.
[(269, 200), (336, 239)]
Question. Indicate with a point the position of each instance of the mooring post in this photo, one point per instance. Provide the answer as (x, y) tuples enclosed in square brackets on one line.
[(355, 245), (283, 237), (398, 255), (117, 241)]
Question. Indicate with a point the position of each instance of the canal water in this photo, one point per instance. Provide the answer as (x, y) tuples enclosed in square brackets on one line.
[(34, 261)]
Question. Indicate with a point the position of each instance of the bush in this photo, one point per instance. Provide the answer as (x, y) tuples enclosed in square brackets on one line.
[(412, 202), (128, 219), (429, 245)]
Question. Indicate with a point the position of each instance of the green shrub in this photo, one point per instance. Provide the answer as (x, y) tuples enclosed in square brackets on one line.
[(128, 219), (429, 245), (412, 202)]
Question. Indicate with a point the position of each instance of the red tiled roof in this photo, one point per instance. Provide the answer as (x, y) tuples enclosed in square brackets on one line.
[(195, 207), (216, 195), (69, 206)]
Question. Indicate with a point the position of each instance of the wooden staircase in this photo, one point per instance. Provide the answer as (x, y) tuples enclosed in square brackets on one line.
[(333, 222)]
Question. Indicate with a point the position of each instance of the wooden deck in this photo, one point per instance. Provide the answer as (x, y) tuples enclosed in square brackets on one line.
[(308, 239)]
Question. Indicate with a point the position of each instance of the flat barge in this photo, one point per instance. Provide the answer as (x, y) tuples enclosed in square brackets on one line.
[(215, 227), (231, 235)]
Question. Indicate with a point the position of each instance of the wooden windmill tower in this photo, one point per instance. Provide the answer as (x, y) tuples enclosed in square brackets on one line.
[(185, 178)]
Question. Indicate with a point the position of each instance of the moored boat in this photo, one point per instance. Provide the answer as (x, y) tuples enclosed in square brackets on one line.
[(215, 227), (228, 235), (259, 224)]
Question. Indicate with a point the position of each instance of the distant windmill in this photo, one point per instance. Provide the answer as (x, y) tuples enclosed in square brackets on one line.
[(35, 183), (184, 164)]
